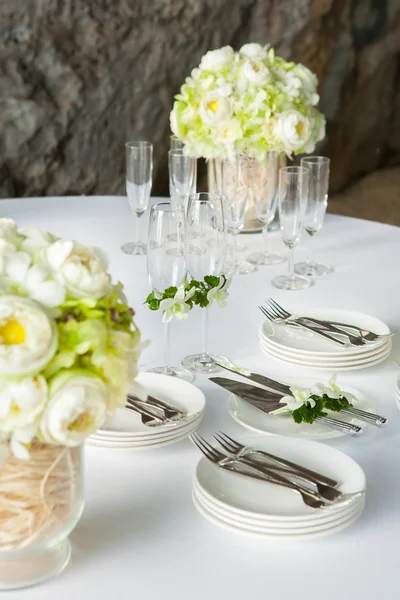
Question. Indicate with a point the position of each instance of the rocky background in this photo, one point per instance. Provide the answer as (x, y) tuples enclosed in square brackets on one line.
[(80, 77)]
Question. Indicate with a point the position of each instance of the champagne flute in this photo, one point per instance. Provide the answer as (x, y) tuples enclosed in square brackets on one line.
[(139, 167), (205, 255), (166, 266), (175, 143), (182, 176), (264, 183), (315, 212), (293, 192)]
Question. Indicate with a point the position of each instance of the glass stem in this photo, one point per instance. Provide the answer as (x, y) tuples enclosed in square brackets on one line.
[(137, 227), (204, 332), (167, 344), (265, 238), (234, 250), (311, 260), (291, 263)]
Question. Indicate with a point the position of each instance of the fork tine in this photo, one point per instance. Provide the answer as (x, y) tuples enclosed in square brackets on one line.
[(202, 449), (233, 442), (210, 449), (279, 308), (269, 314), (224, 443), (397, 363), (272, 310)]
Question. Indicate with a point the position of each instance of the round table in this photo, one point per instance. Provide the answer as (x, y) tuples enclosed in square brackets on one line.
[(140, 535)]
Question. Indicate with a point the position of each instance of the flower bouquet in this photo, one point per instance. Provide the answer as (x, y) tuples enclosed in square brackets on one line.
[(68, 356)]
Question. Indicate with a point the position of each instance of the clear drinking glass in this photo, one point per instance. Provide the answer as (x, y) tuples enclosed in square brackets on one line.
[(175, 143), (139, 168), (293, 193), (264, 186), (166, 265), (317, 202), (230, 181), (205, 255), (182, 176)]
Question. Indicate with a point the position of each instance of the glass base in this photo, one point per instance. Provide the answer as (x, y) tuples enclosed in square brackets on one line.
[(294, 282), (312, 269), (28, 568), (173, 372), (134, 248), (203, 363), (243, 268), (265, 258)]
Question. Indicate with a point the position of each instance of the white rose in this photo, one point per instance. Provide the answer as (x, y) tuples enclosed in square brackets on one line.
[(35, 239), (253, 51), (256, 72), (215, 60), (76, 409), (28, 338), (43, 287), (215, 108), (293, 129), (229, 131), (79, 268), (8, 229), (13, 264), (21, 402)]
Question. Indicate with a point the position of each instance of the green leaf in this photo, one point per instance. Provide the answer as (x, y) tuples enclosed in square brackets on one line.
[(212, 281), (169, 292), (154, 304)]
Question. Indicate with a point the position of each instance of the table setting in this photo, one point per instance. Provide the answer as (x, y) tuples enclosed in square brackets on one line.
[(245, 434)]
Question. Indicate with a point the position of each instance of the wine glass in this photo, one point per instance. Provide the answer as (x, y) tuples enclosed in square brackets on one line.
[(315, 212), (205, 255), (139, 167), (166, 266), (264, 184), (182, 176), (293, 192), (230, 181)]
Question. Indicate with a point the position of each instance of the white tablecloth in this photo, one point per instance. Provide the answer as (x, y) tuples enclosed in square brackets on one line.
[(140, 536)]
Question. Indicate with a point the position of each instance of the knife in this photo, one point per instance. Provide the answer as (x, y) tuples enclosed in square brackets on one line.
[(267, 402), (276, 386)]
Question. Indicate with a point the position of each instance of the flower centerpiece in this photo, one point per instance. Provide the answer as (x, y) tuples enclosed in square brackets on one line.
[(68, 356), (247, 103)]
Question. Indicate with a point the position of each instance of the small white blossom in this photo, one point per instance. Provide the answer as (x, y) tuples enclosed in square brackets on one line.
[(177, 306), (219, 293)]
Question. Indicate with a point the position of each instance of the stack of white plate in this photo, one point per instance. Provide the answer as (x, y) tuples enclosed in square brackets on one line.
[(303, 348), (126, 429), (397, 392), (261, 509)]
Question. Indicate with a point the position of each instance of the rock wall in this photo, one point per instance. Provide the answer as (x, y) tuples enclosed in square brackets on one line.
[(80, 77)]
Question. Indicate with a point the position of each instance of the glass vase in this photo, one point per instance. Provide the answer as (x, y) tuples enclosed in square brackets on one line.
[(41, 501)]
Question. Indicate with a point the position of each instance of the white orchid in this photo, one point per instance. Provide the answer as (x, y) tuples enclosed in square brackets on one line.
[(177, 306), (220, 292), (215, 60), (299, 397)]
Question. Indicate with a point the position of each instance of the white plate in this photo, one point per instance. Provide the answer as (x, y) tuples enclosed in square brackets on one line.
[(172, 432), (262, 499), (281, 529), (180, 393), (310, 345), (143, 446), (281, 537), (323, 359), (322, 517), (254, 419), (328, 367)]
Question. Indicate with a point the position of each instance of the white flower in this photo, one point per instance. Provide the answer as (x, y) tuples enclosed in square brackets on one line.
[(21, 402), (20, 440), (256, 72), (79, 268), (293, 129), (215, 60), (333, 388), (8, 229), (28, 338), (253, 51), (229, 131), (76, 409), (219, 293), (300, 396), (177, 306), (35, 239), (13, 264), (43, 287), (215, 109)]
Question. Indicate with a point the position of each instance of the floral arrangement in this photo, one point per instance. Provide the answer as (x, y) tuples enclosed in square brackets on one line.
[(247, 102), (306, 404), (176, 302), (68, 342)]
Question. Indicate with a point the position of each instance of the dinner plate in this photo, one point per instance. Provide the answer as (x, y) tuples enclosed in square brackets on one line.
[(322, 517), (236, 528), (263, 499), (254, 419), (285, 338)]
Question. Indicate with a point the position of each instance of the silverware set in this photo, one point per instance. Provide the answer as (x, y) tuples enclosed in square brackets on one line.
[(315, 489), (154, 412), (341, 334)]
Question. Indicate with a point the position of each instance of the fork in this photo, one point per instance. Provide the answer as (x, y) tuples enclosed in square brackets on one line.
[(326, 491), (244, 467), (149, 415)]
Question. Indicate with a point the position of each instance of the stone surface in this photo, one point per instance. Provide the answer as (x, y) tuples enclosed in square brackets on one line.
[(80, 77)]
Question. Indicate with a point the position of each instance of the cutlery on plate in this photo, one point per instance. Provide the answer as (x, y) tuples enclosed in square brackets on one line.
[(234, 448), (262, 454), (276, 386), (243, 467), (150, 416), (268, 402), (169, 409)]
